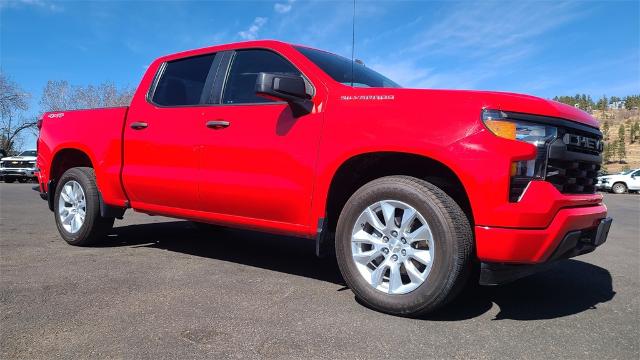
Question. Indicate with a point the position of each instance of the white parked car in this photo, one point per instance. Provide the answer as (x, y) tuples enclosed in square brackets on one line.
[(620, 183), (21, 167)]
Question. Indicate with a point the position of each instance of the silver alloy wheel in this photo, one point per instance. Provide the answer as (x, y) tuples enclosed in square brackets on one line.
[(392, 247), (72, 206), (619, 188)]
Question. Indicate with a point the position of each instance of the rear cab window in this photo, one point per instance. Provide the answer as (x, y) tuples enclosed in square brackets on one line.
[(184, 81)]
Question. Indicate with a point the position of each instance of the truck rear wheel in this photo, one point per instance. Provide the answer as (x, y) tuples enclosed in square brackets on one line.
[(9, 179), (403, 245), (77, 208)]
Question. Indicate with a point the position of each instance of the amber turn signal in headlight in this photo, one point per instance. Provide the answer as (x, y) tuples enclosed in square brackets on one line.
[(503, 129), (538, 135)]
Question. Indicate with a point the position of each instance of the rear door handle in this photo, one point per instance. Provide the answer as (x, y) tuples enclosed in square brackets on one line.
[(139, 125), (217, 124)]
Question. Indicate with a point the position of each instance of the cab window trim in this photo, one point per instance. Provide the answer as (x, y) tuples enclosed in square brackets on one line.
[(219, 84), (228, 70), (206, 89)]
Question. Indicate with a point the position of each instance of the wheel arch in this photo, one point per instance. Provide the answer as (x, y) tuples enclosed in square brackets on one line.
[(359, 169), (66, 158)]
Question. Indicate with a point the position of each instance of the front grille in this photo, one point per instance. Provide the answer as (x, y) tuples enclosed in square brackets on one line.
[(574, 169), (16, 164), (573, 177)]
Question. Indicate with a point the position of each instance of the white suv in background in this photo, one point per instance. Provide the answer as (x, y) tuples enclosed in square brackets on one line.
[(21, 167), (620, 183)]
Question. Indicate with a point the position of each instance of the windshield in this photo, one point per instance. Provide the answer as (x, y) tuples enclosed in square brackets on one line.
[(341, 69), (28, 153)]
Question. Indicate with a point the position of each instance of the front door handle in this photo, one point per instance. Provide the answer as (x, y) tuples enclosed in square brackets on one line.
[(217, 124), (139, 125)]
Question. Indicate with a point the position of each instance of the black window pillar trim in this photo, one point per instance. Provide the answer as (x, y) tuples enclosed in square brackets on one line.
[(215, 97)]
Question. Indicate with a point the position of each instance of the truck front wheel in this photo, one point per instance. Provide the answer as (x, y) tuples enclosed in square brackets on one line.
[(403, 245), (77, 208), (619, 188)]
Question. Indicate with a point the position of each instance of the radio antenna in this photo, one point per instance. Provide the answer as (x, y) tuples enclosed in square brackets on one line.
[(353, 40)]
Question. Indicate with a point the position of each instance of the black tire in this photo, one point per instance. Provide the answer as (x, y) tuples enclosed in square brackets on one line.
[(9, 180), (452, 236), (619, 188), (95, 227), (22, 180)]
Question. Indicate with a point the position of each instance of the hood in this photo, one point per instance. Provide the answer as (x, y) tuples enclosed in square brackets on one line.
[(537, 106), (610, 176), (504, 101), (19, 158)]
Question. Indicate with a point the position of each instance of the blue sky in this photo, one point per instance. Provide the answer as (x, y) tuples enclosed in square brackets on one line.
[(544, 48)]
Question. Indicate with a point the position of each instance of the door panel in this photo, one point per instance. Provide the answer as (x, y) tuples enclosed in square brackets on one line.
[(262, 165), (161, 160), (634, 181), (163, 136)]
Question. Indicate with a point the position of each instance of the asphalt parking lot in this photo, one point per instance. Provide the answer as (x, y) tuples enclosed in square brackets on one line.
[(162, 289)]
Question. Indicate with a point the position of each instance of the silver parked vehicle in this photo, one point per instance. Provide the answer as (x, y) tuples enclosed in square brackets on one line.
[(620, 183), (21, 167)]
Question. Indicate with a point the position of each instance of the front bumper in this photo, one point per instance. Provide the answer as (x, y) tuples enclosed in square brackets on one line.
[(574, 243), (18, 172), (534, 246)]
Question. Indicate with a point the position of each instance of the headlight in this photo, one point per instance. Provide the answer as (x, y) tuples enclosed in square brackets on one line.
[(538, 135)]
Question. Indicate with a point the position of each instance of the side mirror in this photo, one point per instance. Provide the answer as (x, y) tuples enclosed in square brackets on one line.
[(290, 88)]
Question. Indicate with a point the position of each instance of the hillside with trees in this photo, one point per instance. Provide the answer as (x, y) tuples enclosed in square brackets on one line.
[(620, 124)]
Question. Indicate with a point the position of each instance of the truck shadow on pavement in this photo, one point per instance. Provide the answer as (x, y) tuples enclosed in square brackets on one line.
[(568, 288)]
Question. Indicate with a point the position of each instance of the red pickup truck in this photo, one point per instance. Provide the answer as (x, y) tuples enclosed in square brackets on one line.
[(414, 189)]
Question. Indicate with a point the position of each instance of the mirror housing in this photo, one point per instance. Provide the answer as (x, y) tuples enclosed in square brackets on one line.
[(290, 88)]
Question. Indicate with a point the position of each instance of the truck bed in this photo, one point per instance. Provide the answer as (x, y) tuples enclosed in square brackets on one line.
[(97, 133)]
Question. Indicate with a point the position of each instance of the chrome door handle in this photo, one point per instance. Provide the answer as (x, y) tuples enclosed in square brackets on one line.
[(217, 124), (139, 125)]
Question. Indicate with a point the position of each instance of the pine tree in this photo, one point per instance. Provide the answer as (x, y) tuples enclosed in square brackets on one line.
[(606, 153), (602, 104), (605, 130), (633, 133), (621, 133), (622, 151), (632, 101)]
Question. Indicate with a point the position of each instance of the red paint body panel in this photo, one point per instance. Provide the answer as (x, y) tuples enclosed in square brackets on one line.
[(98, 134), (270, 171), (530, 246)]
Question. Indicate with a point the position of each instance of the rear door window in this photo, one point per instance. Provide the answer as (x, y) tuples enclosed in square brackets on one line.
[(183, 81)]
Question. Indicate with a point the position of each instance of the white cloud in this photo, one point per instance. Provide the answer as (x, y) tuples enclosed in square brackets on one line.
[(488, 27), (252, 32), (283, 8), (411, 75), (404, 73), (42, 4), (474, 43)]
